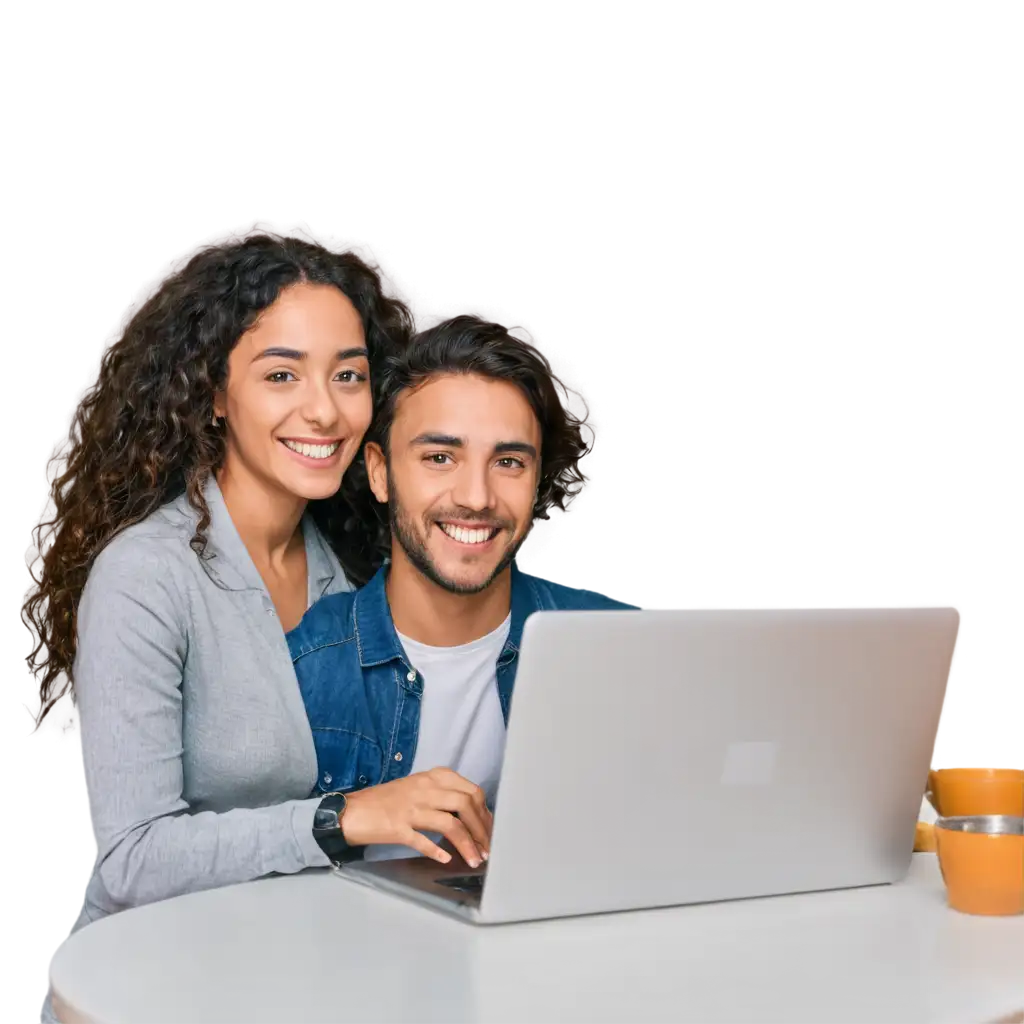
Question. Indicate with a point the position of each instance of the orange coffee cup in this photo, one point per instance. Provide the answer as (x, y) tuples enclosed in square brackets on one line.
[(982, 862), (964, 792)]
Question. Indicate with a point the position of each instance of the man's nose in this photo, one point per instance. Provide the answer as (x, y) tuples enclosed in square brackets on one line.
[(472, 488)]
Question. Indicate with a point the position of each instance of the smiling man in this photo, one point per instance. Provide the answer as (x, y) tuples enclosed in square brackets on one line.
[(408, 681)]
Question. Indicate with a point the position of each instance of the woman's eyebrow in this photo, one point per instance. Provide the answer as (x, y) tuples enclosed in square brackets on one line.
[(276, 352)]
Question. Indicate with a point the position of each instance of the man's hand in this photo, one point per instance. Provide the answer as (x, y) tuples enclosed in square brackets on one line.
[(439, 800)]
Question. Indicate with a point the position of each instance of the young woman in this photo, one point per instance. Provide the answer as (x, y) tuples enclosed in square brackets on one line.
[(200, 511)]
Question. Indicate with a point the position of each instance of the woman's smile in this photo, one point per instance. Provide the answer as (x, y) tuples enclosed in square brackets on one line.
[(317, 452)]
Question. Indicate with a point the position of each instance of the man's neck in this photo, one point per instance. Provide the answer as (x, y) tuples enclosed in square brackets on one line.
[(429, 614)]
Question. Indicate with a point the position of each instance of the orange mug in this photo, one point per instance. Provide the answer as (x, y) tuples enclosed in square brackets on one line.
[(963, 792), (981, 858)]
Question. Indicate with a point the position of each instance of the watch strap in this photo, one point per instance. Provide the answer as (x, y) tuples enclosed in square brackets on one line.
[(332, 840)]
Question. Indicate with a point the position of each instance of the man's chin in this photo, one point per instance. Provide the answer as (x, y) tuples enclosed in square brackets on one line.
[(459, 581)]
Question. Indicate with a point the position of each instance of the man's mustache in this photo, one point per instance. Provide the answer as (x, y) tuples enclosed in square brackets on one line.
[(465, 515)]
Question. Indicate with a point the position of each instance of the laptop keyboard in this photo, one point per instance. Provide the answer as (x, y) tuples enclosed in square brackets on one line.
[(463, 883)]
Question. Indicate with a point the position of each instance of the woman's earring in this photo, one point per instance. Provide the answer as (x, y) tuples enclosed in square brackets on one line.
[(216, 420)]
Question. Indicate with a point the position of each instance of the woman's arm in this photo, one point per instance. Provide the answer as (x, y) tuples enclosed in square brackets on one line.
[(132, 645)]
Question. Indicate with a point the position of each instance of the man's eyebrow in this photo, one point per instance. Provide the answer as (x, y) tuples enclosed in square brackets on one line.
[(521, 447), (276, 352), (451, 441), (443, 440)]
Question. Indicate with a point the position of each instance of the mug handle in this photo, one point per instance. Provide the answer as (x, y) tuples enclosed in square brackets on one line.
[(924, 838), (930, 791)]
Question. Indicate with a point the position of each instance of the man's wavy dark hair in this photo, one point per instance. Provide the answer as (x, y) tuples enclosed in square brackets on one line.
[(470, 345)]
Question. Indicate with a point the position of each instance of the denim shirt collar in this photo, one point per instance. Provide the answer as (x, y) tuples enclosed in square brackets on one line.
[(376, 636), (525, 601), (227, 561)]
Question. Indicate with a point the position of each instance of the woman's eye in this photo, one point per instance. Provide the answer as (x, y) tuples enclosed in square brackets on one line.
[(350, 377), (280, 376)]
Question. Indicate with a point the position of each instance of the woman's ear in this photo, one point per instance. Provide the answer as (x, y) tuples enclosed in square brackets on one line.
[(377, 470), (220, 405)]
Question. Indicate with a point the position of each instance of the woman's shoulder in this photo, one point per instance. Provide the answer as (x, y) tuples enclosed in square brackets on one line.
[(135, 603), (151, 550)]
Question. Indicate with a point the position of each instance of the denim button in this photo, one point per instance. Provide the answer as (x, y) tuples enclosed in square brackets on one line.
[(327, 779), (411, 677), (362, 780), (398, 756)]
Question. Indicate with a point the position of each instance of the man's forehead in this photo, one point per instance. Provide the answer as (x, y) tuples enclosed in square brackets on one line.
[(466, 406)]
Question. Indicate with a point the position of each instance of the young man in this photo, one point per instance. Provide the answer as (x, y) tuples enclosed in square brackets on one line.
[(408, 681)]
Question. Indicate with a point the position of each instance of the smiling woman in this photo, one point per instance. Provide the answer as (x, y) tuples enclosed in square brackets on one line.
[(294, 407), (295, 417), (210, 492)]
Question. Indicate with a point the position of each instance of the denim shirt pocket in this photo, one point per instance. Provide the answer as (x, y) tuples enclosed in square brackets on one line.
[(346, 760)]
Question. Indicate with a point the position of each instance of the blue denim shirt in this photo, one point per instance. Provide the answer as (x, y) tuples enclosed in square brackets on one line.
[(361, 694)]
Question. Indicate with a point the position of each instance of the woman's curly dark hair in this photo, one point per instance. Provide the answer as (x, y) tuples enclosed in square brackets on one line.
[(471, 345), (143, 434)]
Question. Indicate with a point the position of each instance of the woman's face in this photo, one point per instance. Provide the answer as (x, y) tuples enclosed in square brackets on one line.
[(297, 400)]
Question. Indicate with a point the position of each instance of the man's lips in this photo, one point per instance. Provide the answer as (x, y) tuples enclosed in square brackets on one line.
[(470, 534)]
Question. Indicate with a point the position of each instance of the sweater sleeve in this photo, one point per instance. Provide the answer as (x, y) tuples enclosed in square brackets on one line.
[(132, 645)]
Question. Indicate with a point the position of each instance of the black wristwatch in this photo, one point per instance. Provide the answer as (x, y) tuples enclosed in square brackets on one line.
[(327, 830)]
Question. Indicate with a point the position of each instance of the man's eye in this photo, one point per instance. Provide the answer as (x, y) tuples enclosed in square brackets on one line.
[(509, 462), (438, 458)]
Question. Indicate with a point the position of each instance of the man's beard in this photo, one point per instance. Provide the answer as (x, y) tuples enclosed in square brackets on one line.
[(417, 553)]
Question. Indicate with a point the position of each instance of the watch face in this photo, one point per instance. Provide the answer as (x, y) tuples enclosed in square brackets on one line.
[(325, 819)]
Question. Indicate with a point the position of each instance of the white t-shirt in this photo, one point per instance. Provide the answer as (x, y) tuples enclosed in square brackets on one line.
[(461, 724)]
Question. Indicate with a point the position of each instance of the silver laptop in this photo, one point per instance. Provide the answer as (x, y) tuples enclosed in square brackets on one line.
[(657, 758)]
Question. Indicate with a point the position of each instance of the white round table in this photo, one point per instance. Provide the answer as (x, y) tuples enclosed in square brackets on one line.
[(314, 947)]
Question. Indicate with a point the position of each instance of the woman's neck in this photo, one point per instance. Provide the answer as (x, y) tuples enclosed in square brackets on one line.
[(267, 519)]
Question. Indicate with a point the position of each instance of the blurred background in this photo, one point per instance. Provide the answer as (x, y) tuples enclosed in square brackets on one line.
[(776, 248)]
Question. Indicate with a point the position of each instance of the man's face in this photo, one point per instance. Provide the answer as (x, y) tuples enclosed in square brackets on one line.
[(462, 478)]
